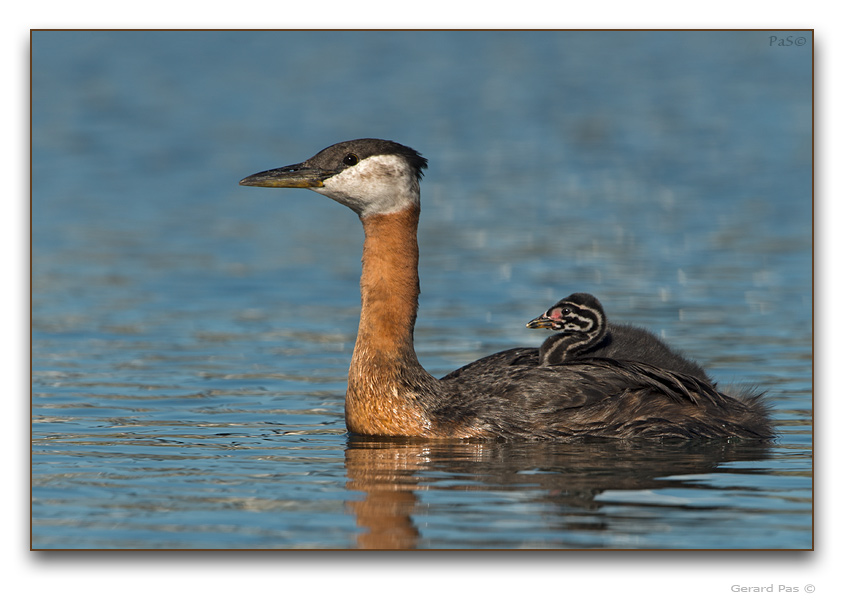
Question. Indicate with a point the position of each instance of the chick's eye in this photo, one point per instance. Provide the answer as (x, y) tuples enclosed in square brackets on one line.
[(350, 159)]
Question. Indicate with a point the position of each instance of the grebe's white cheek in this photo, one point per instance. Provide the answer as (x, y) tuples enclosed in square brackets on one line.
[(376, 185)]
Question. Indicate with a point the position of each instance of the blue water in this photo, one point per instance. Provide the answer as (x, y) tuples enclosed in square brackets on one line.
[(191, 337)]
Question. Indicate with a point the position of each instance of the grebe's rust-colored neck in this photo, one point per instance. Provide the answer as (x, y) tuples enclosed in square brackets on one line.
[(385, 377), (389, 283)]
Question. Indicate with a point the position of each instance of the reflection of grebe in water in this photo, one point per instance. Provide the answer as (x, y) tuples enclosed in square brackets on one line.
[(564, 480), (585, 332), (390, 394)]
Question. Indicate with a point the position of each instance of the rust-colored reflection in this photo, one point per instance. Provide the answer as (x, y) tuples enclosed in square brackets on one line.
[(390, 472), (384, 472)]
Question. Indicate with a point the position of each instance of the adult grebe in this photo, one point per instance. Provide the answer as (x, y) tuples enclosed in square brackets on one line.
[(586, 333), (390, 394)]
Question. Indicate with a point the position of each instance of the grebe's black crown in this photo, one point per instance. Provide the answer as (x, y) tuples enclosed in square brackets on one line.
[(347, 153)]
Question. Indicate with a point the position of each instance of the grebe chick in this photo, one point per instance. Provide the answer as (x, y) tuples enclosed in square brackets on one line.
[(390, 394), (583, 323), (586, 333)]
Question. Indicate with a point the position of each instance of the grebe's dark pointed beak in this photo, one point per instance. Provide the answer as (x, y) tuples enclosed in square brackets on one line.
[(292, 176)]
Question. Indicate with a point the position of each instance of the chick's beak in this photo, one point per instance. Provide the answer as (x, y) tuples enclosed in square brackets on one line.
[(541, 322)]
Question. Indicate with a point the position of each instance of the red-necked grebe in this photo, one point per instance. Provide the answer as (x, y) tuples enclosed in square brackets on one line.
[(500, 396)]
